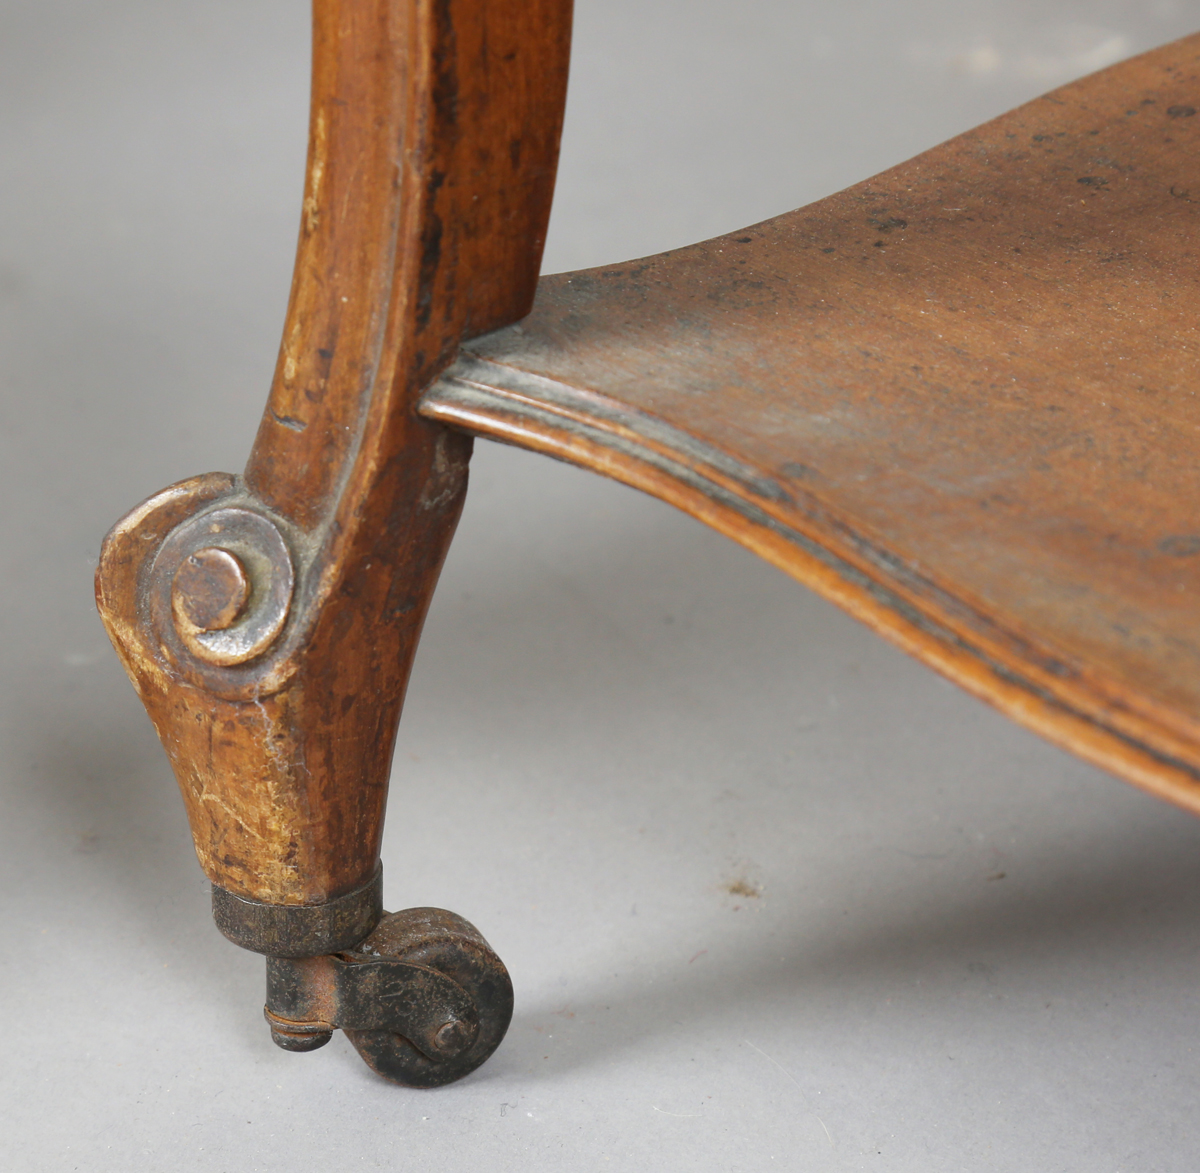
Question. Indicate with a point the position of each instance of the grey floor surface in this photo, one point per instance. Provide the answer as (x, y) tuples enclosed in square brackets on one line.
[(772, 895)]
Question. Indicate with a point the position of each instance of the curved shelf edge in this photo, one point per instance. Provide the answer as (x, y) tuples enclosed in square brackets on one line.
[(503, 403)]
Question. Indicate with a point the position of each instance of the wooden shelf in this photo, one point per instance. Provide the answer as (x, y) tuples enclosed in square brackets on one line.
[(959, 399)]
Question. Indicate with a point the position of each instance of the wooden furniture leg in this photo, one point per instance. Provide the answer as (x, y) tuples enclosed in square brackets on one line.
[(956, 399), (269, 621)]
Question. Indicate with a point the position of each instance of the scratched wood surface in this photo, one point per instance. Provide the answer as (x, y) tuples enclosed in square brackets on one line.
[(959, 399), (432, 151)]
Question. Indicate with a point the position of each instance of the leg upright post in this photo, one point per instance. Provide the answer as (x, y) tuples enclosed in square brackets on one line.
[(269, 621)]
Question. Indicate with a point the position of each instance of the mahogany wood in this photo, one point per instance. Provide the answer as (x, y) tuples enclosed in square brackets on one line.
[(432, 150), (958, 399)]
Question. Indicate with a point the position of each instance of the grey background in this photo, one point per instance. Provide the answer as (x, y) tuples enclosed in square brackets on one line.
[(963, 949)]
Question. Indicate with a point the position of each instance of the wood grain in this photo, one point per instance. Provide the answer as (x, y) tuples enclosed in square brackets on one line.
[(432, 151), (959, 399)]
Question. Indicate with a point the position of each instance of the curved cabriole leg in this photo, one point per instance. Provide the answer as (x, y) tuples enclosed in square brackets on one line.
[(269, 621)]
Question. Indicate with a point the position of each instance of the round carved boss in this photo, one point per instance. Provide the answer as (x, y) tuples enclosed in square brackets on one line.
[(222, 585)]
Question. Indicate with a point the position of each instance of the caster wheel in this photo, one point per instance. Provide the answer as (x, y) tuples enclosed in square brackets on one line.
[(444, 942)]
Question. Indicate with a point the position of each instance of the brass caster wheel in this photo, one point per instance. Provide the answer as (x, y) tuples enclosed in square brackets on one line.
[(424, 999)]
